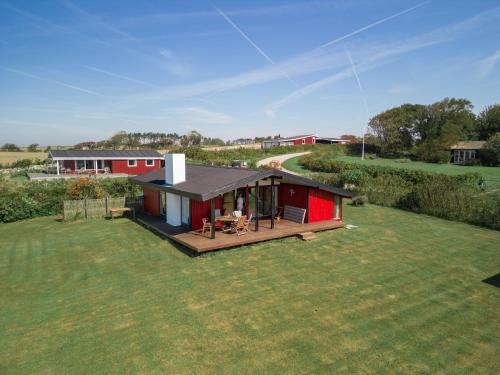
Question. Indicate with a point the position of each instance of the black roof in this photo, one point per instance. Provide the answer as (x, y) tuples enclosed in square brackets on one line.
[(204, 182), (105, 154)]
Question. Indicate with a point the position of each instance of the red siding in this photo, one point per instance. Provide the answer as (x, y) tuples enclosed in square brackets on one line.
[(308, 141), (320, 205), (152, 201), (69, 164), (200, 210), (121, 166), (293, 195)]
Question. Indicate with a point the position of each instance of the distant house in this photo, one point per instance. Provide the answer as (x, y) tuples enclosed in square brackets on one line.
[(466, 151), (326, 140), (309, 139), (132, 162)]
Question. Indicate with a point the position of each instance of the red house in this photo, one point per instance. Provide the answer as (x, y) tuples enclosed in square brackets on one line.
[(185, 197), (132, 162), (309, 139)]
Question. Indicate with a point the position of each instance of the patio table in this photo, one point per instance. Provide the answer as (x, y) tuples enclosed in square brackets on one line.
[(226, 221)]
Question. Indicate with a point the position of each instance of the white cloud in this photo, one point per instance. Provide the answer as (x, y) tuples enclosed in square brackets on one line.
[(487, 64), (198, 114)]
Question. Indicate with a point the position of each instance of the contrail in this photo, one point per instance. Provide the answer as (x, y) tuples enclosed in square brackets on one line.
[(262, 53), (375, 24), (363, 97), (111, 74), (52, 81)]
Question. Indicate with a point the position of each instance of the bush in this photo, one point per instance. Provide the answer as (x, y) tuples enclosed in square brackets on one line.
[(24, 200), (490, 153), (21, 163), (359, 200), (456, 198)]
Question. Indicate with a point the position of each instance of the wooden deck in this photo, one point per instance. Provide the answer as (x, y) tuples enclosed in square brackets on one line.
[(194, 240)]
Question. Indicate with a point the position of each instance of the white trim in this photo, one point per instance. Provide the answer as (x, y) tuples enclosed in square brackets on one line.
[(150, 165), (133, 165)]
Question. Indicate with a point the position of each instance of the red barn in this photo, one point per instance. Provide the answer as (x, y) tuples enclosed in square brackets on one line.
[(190, 196), (132, 162), (309, 139)]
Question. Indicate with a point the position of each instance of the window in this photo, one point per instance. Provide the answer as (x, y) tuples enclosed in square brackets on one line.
[(150, 163), (132, 163), (80, 164), (303, 141)]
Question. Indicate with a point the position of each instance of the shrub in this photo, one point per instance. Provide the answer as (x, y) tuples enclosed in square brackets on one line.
[(21, 163), (450, 197), (84, 188), (490, 153), (359, 200)]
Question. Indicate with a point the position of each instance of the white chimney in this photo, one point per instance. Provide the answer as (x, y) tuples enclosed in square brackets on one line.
[(175, 168)]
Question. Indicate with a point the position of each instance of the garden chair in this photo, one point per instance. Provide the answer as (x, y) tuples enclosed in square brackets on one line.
[(207, 226), (241, 226)]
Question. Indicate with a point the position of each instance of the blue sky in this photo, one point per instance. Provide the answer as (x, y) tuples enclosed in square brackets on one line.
[(73, 70)]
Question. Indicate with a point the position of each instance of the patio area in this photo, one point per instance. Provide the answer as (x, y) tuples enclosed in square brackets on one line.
[(201, 243)]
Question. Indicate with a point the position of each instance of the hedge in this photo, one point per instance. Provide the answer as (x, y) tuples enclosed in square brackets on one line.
[(25, 200), (457, 198)]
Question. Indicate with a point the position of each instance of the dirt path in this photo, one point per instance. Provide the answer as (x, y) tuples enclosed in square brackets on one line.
[(281, 159)]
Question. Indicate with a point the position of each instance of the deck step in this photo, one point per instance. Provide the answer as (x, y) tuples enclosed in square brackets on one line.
[(307, 236)]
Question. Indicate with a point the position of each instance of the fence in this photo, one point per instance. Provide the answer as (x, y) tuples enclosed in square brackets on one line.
[(98, 208)]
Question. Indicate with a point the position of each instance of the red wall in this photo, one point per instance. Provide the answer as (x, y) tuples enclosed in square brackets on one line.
[(152, 201), (320, 205), (200, 210), (293, 195), (121, 166), (309, 141)]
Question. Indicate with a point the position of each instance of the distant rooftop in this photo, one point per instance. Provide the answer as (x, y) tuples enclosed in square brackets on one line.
[(468, 145), (102, 154), (289, 138)]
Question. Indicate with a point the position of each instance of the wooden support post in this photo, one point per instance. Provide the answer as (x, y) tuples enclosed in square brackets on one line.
[(95, 166), (212, 218), (57, 166), (273, 203), (256, 206)]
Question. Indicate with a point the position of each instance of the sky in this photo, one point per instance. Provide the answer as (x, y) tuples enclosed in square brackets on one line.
[(74, 70)]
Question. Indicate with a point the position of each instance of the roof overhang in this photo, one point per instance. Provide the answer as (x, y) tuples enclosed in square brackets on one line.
[(264, 174), (105, 158)]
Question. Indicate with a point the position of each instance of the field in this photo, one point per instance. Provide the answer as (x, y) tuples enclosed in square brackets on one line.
[(10, 157), (490, 174), (402, 293)]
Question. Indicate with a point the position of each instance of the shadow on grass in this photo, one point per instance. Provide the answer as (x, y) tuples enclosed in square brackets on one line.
[(493, 280)]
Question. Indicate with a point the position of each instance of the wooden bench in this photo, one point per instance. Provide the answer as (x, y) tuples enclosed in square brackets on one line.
[(112, 211)]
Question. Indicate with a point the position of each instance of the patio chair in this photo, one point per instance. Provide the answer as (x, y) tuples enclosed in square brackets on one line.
[(207, 226), (241, 226)]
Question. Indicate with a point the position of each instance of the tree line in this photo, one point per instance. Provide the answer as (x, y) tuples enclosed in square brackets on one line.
[(427, 132)]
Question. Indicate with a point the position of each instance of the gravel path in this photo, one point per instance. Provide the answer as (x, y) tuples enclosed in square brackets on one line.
[(281, 159)]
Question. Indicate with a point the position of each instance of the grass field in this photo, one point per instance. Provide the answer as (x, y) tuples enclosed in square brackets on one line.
[(10, 157), (490, 174), (400, 294)]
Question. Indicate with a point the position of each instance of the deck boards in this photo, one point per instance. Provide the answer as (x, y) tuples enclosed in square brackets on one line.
[(202, 243)]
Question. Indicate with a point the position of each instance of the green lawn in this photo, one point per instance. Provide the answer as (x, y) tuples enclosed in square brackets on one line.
[(490, 174), (400, 294)]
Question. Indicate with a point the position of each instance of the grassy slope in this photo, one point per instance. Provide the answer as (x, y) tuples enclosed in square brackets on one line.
[(402, 293), (490, 174)]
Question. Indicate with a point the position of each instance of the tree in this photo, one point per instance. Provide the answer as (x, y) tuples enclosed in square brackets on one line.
[(445, 123), (349, 137), (10, 147), (394, 128), (33, 147), (119, 139), (194, 138), (488, 122), (490, 153)]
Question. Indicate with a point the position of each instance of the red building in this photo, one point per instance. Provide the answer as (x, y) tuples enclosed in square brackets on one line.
[(132, 162), (309, 139), (184, 195)]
